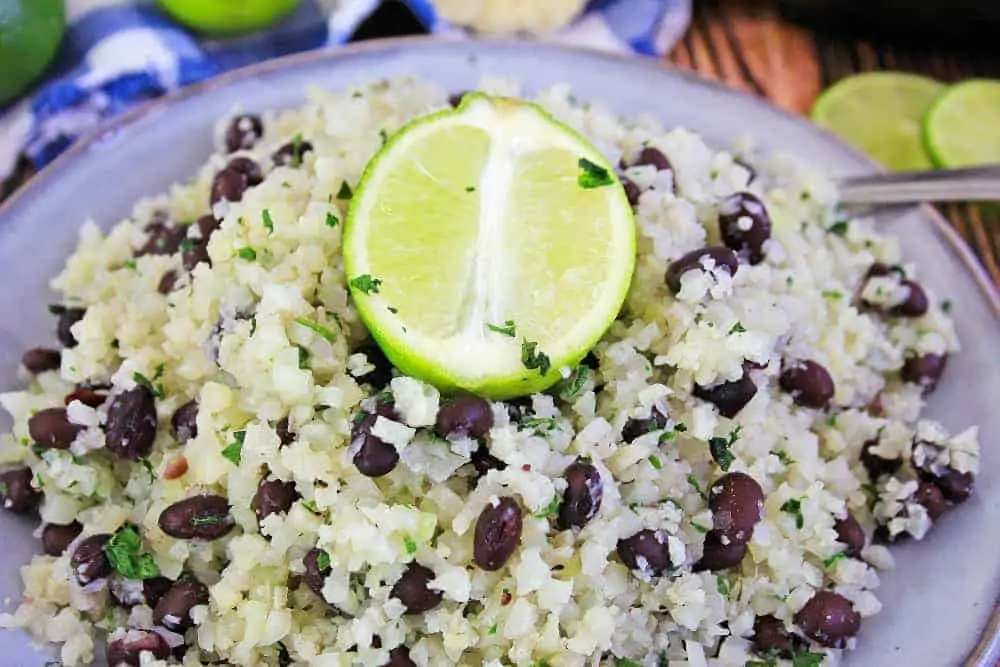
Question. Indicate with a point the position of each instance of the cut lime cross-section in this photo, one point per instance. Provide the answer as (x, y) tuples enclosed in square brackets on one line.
[(962, 129), (881, 113), (489, 247)]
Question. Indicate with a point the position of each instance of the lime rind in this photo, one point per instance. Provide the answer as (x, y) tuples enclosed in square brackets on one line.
[(491, 364), (961, 127)]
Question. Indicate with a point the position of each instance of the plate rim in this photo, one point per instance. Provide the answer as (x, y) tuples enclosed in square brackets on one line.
[(987, 647)]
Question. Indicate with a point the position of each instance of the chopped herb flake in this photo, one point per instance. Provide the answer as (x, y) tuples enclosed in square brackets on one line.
[(655, 461), (345, 192), (157, 390), (793, 506), (365, 283), (807, 659), (700, 528), (693, 481), (129, 264), (572, 387), (508, 329), (311, 506), (833, 560), (247, 253), (124, 552), (552, 509), (784, 457), (493, 629), (760, 663), (323, 561), (540, 424), (737, 328), (625, 662), (831, 421), (318, 328), (533, 359), (411, 546), (593, 175), (833, 294), (394, 311), (268, 221), (839, 228), (384, 136), (303, 358), (331, 220), (720, 449), (680, 427), (188, 244), (946, 306), (296, 151), (234, 450), (721, 585), (470, 188)]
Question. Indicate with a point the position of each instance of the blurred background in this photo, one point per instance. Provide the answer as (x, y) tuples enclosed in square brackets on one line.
[(66, 65)]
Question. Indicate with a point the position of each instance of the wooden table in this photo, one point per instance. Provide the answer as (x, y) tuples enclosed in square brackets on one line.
[(750, 47)]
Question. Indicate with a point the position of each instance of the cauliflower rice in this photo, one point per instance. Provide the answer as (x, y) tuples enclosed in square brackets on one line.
[(266, 341)]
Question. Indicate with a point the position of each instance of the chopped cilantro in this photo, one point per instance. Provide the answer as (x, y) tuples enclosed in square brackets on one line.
[(331, 220), (655, 461), (383, 135), (693, 481), (311, 506), (345, 192), (721, 585), (234, 450), (365, 283), (188, 244), (157, 390), (831, 421), (551, 509), (625, 662), (3, 489), (534, 360), (833, 294), (296, 152), (540, 424), (807, 659), (394, 311), (760, 663), (57, 308), (247, 253), (839, 228), (303, 358), (946, 306), (323, 561), (318, 328), (493, 629), (784, 457), (470, 188), (129, 264), (680, 427), (700, 528), (571, 387), (124, 552), (667, 436), (411, 546), (721, 449), (833, 560), (789, 281), (793, 506), (268, 220), (508, 329), (737, 328), (593, 175)]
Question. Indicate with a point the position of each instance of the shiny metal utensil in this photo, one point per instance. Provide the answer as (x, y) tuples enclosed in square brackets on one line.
[(969, 185)]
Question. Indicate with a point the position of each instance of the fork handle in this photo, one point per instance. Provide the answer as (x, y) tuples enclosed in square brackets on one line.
[(950, 185)]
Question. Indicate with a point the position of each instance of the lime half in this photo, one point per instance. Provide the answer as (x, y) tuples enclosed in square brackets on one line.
[(30, 31), (881, 113), (228, 17), (962, 128), (488, 247)]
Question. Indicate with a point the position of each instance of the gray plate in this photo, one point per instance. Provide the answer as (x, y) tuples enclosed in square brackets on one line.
[(940, 598)]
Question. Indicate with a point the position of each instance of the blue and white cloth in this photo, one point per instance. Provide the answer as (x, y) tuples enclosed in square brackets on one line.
[(118, 53)]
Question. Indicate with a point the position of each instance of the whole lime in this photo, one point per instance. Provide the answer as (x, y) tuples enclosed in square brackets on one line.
[(228, 17), (30, 31)]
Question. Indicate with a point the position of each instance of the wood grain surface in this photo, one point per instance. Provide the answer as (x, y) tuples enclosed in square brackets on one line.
[(749, 46)]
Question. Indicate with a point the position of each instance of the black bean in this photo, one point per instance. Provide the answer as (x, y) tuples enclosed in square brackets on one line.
[(56, 537), (464, 416), (127, 648), (771, 638), (875, 464), (184, 422), (285, 435), (251, 170), (173, 611), (129, 592), (646, 551), (51, 428), (273, 497), (652, 157), (632, 191), (196, 250), (924, 370), (243, 132), (162, 238), (916, 303), (228, 185), (381, 374), (849, 534), (737, 504), (745, 225), (828, 619), (498, 532), (720, 256), (483, 461), (87, 396), (374, 456), (167, 282), (634, 428), (67, 318), (131, 424), (89, 562), (956, 487), (203, 517), (400, 657), (720, 553), (413, 589), (518, 409), (929, 495), (583, 495), (16, 492), (456, 98), (808, 382), (315, 575), (40, 360), (291, 153), (728, 397)]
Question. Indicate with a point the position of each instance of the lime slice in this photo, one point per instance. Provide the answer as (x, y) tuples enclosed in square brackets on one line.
[(962, 128), (30, 31), (881, 113), (228, 17), (488, 247)]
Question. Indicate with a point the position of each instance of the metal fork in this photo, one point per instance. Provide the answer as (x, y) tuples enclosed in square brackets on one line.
[(950, 185)]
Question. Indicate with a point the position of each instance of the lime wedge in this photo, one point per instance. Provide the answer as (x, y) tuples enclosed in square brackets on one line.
[(881, 113), (962, 128), (30, 31), (488, 247), (228, 17)]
